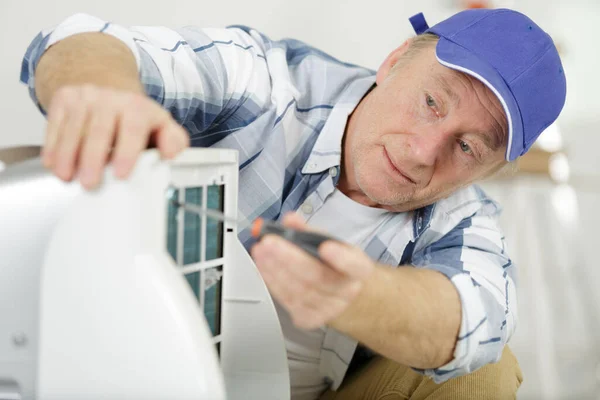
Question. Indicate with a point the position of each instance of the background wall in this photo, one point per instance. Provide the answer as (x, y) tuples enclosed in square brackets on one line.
[(361, 32)]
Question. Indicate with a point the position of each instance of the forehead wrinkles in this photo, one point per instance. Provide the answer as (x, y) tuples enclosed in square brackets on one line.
[(447, 88)]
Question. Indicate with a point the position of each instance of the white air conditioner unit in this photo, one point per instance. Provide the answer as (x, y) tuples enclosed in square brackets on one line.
[(118, 293)]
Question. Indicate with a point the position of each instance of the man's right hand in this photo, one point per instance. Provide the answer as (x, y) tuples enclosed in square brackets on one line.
[(88, 126)]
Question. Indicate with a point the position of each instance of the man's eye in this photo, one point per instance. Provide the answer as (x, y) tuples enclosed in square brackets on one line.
[(430, 101), (465, 147)]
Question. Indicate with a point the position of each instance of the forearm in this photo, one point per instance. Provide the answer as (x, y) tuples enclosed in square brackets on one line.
[(409, 315), (86, 58)]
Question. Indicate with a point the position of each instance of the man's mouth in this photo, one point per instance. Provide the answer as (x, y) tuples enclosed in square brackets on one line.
[(396, 171)]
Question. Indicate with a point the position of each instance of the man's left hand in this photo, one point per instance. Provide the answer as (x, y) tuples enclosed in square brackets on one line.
[(314, 292)]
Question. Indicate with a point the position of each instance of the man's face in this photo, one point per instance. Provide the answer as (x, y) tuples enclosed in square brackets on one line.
[(423, 132)]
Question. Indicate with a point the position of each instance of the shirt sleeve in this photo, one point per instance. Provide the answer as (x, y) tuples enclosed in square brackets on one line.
[(472, 256), (213, 81)]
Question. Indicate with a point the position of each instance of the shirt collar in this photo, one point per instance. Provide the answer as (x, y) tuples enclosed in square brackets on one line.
[(327, 151)]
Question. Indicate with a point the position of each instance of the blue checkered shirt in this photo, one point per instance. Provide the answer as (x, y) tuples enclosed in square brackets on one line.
[(284, 105)]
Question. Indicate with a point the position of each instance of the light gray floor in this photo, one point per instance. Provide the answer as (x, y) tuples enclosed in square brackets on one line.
[(557, 341)]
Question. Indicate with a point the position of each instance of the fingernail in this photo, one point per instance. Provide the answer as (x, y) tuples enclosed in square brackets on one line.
[(62, 169), (330, 249), (120, 168), (87, 177), (169, 150), (178, 146)]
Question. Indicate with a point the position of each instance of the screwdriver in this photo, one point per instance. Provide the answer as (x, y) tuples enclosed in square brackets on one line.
[(308, 241)]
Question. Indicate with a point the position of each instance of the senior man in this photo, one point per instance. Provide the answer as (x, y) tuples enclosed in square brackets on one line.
[(421, 293)]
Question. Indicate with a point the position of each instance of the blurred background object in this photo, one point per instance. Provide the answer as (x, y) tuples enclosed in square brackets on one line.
[(550, 207), (555, 341), (11, 155)]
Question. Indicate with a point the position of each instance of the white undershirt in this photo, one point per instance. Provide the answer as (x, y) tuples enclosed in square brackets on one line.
[(350, 222)]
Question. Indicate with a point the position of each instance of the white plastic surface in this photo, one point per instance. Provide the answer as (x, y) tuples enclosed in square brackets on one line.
[(31, 202), (117, 319), (254, 358)]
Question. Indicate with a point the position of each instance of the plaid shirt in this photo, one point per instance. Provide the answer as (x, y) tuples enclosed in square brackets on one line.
[(284, 105)]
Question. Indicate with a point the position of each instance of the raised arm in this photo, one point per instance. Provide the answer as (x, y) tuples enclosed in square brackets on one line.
[(111, 91)]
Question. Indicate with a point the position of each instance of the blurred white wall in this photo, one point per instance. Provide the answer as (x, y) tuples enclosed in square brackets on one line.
[(357, 31)]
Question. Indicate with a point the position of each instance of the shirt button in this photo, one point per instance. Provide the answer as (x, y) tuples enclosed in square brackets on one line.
[(419, 223), (333, 172), (307, 208)]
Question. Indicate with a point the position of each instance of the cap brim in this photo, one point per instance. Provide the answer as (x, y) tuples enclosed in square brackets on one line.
[(458, 58)]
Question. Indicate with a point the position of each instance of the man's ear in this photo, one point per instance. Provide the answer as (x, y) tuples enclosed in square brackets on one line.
[(390, 61)]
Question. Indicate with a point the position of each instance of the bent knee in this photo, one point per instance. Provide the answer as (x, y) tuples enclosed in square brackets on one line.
[(508, 368), (498, 381)]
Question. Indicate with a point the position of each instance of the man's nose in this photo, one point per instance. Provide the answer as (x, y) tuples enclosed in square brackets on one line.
[(425, 148)]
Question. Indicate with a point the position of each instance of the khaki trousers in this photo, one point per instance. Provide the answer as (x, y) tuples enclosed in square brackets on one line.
[(382, 379)]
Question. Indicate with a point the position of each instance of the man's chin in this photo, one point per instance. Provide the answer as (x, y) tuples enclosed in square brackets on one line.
[(388, 197)]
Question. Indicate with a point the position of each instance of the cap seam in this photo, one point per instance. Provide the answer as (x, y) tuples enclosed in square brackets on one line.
[(532, 65), (500, 11)]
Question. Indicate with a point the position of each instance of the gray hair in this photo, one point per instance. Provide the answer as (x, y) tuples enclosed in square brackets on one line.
[(421, 42)]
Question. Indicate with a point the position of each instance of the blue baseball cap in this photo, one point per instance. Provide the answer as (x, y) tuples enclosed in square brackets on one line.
[(514, 58)]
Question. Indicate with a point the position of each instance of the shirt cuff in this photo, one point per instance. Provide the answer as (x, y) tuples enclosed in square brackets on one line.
[(78, 23), (473, 328), (82, 23)]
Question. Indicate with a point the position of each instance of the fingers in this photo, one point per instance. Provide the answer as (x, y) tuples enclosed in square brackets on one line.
[(305, 299), (132, 138), (85, 122), (308, 310), (67, 144), (56, 117), (283, 255), (97, 145), (348, 260), (315, 292), (134, 134), (172, 140)]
